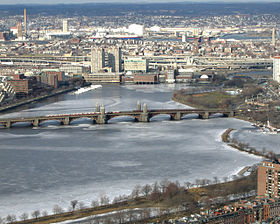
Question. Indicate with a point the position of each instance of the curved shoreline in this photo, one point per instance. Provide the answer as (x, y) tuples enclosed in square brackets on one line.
[(241, 147)]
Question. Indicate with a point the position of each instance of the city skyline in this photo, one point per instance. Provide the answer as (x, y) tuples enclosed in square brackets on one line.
[(14, 2)]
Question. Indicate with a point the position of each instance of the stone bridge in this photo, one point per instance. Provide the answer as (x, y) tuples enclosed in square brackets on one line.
[(102, 117)]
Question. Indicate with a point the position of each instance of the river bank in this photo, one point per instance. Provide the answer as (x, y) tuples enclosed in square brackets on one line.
[(35, 99)]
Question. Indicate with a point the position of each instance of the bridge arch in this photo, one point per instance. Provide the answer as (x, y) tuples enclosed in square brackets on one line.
[(161, 117), (122, 118), (81, 120)]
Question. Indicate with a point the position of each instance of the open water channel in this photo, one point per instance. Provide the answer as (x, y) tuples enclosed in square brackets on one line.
[(41, 167)]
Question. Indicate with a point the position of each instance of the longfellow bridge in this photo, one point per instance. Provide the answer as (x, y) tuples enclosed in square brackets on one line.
[(102, 117)]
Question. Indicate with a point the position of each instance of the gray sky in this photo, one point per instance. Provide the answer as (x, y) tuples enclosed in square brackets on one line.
[(129, 1)]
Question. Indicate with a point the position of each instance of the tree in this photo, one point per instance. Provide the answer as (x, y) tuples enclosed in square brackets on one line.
[(216, 180), (1, 221), (225, 179), (94, 203), (104, 199), (44, 213), (23, 217), (81, 205), (57, 209), (36, 214), (73, 204), (11, 218), (136, 191), (188, 184), (146, 190)]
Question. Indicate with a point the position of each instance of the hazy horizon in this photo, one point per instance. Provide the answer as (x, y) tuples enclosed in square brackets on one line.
[(54, 2)]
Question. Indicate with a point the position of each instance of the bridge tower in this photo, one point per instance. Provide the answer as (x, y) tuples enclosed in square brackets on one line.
[(144, 116), (97, 109), (102, 118), (138, 105)]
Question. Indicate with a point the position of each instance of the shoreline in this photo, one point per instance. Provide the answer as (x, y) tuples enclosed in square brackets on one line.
[(35, 99)]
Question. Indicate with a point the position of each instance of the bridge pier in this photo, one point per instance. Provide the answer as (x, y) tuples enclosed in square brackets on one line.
[(178, 116), (102, 118), (144, 117), (8, 124), (35, 123), (205, 115), (66, 121)]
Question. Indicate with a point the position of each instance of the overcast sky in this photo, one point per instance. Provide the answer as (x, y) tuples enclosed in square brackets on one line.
[(128, 1)]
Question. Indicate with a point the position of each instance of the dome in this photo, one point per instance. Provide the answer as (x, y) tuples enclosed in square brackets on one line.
[(204, 77)]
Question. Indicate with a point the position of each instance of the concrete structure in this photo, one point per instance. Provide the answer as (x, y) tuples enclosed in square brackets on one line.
[(269, 179), (103, 117), (97, 59), (276, 69), (136, 65)]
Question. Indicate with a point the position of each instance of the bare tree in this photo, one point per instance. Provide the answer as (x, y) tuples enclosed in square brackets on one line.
[(146, 190), (36, 214), (136, 191), (188, 184), (94, 203), (45, 213), (225, 179), (216, 180), (57, 209), (104, 199), (163, 184), (23, 217), (1, 221), (11, 218), (81, 205), (73, 204)]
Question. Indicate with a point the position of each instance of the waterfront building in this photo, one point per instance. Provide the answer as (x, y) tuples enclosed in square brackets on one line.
[(276, 69), (136, 65), (269, 179), (97, 59), (102, 77)]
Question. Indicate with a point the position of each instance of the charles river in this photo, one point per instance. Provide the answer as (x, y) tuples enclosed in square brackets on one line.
[(49, 165)]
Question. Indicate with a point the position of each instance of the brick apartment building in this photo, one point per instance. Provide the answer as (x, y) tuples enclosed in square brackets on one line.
[(269, 179)]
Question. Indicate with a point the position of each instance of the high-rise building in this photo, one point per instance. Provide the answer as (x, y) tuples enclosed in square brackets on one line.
[(273, 40), (25, 23), (269, 179), (97, 59), (114, 59), (65, 26), (276, 69), (19, 30)]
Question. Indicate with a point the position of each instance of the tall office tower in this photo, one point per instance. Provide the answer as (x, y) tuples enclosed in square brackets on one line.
[(19, 30), (25, 23), (269, 179), (97, 59), (276, 69), (273, 41), (115, 59), (65, 26)]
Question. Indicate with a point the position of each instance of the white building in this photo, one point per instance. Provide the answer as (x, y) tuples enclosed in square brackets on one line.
[(136, 29), (276, 69)]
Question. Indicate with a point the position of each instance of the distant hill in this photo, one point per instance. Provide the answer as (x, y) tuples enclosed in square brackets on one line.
[(180, 9)]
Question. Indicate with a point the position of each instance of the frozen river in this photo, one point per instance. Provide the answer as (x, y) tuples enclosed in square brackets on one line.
[(41, 167)]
